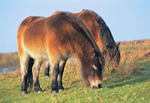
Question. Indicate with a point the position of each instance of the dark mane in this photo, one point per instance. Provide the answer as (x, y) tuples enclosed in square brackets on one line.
[(105, 32), (56, 39), (79, 26), (86, 32), (102, 34)]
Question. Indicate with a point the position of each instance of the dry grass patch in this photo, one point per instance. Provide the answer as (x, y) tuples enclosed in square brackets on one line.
[(131, 54)]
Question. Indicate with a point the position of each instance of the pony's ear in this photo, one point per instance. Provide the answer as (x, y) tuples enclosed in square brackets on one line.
[(118, 44)]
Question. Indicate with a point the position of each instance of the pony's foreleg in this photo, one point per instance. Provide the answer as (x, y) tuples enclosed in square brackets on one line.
[(54, 74), (36, 70), (46, 73), (60, 75)]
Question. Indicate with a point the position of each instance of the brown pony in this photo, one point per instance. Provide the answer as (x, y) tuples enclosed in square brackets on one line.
[(57, 38), (102, 36)]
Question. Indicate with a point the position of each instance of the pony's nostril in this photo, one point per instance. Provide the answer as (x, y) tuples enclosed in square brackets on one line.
[(99, 86)]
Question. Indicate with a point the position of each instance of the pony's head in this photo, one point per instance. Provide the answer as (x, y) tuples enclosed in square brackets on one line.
[(112, 54), (102, 35), (92, 71)]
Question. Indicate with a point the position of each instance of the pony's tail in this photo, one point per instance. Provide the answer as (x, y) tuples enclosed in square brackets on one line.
[(29, 73)]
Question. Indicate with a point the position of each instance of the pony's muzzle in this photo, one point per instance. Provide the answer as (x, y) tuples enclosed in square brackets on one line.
[(99, 85)]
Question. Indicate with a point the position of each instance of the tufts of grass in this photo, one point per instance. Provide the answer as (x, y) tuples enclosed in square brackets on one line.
[(128, 48), (131, 60), (129, 83), (133, 89)]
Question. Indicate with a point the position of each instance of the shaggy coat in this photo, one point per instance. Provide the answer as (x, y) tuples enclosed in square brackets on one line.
[(102, 35), (56, 39)]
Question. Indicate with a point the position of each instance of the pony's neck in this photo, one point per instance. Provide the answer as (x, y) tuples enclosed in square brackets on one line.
[(86, 52)]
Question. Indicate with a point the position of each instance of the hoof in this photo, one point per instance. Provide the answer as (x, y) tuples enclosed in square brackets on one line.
[(61, 89), (54, 92), (46, 76), (24, 92), (39, 91)]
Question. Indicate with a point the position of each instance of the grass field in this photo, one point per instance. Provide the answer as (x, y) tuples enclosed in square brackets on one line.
[(130, 83)]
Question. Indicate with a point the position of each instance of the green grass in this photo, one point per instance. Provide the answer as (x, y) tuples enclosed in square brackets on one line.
[(117, 89), (124, 48), (134, 47)]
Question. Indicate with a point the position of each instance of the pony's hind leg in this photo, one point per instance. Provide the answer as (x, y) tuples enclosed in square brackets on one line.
[(46, 73), (36, 70), (60, 75), (26, 70)]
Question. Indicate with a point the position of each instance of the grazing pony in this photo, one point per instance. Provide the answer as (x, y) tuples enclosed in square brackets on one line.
[(56, 39), (102, 36)]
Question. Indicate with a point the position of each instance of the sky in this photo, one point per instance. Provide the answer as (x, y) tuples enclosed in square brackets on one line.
[(127, 19)]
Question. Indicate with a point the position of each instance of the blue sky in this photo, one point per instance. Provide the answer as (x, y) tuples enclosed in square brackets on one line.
[(127, 19)]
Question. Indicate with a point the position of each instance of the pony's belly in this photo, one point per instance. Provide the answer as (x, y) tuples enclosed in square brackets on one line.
[(35, 49), (38, 55)]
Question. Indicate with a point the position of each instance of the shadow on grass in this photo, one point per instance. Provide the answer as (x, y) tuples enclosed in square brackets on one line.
[(142, 77), (128, 81)]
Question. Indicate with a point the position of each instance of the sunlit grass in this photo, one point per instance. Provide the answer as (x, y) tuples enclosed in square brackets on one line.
[(133, 88), (130, 83)]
